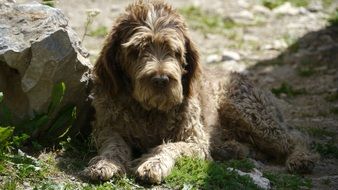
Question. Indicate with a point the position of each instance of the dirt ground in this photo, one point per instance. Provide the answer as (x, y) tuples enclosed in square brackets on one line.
[(293, 53)]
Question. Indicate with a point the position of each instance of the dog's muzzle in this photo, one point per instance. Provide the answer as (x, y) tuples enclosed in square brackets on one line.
[(160, 81)]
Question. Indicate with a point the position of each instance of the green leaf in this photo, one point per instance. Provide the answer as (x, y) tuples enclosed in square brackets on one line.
[(5, 134), (1, 96), (57, 96), (29, 126), (62, 122), (6, 118)]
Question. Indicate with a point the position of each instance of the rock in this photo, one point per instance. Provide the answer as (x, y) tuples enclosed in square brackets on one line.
[(259, 9), (243, 16), (214, 58), (315, 6), (256, 176), (38, 50), (243, 4), (230, 55), (234, 66), (276, 45), (288, 9)]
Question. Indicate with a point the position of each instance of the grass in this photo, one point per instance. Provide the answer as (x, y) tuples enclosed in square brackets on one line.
[(288, 181), (198, 174), (334, 111), (327, 3), (206, 21), (50, 3), (328, 149), (101, 31), (59, 167), (332, 97), (317, 132), (271, 4), (333, 20), (305, 71), (287, 89)]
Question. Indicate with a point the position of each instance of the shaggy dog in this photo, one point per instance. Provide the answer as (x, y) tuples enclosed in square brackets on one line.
[(155, 104)]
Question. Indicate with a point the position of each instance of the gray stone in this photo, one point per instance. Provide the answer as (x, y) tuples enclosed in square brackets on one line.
[(288, 9), (230, 55), (38, 49), (259, 9), (256, 176), (214, 58)]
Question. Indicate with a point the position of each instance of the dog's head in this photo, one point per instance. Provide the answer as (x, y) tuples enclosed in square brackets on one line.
[(149, 55)]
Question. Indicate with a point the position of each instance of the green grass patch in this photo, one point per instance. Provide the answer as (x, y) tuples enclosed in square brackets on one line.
[(327, 3), (50, 3), (206, 21), (334, 111), (317, 132), (306, 71), (287, 89), (271, 4), (333, 20), (327, 149), (288, 181), (101, 31), (194, 173), (332, 97)]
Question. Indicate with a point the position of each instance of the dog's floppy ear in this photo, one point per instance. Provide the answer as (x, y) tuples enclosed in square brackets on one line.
[(192, 67), (107, 70)]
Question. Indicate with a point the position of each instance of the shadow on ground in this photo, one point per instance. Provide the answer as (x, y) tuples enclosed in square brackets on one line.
[(305, 79)]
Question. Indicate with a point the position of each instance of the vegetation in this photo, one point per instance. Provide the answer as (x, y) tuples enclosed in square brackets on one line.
[(50, 3), (328, 149), (198, 174), (288, 181), (288, 90), (271, 4), (332, 97), (101, 31), (91, 15), (317, 132), (206, 21), (333, 20), (60, 124), (305, 71)]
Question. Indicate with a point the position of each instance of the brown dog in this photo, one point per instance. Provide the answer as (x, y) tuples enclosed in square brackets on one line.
[(151, 97)]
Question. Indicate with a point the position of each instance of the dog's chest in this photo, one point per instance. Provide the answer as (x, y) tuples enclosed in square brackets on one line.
[(146, 129)]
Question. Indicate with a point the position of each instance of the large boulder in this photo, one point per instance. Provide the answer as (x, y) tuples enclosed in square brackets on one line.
[(40, 55)]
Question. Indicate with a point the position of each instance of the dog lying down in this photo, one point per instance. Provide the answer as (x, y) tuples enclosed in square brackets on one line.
[(154, 104)]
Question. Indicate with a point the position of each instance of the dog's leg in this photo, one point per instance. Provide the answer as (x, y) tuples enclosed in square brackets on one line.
[(157, 164), (113, 155), (252, 112), (229, 149)]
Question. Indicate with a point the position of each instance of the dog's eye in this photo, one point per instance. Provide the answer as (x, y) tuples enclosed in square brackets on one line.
[(177, 54), (133, 53)]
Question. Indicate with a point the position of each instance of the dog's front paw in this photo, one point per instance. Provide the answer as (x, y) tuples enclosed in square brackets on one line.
[(101, 168), (301, 162), (151, 171)]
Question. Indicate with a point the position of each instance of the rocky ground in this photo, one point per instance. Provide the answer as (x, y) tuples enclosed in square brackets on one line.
[(288, 48)]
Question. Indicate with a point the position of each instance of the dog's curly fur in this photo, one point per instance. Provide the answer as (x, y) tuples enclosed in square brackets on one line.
[(154, 104)]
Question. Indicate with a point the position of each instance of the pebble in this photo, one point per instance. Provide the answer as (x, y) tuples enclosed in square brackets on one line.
[(256, 176), (286, 9), (259, 9), (230, 55), (214, 58), (276, 45), (234, 66), (243, 16)]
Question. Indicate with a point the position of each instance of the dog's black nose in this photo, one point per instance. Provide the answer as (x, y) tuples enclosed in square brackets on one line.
[(160, 80)]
